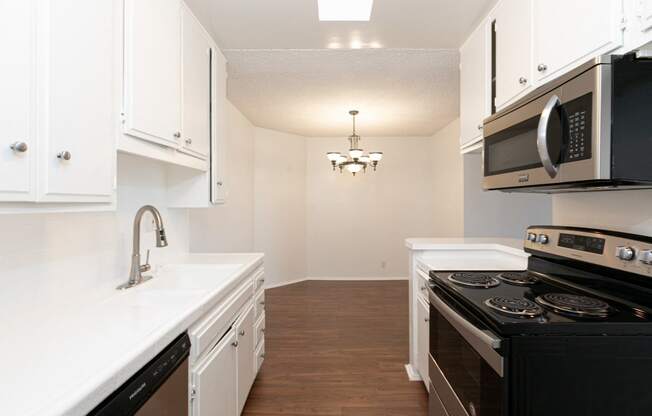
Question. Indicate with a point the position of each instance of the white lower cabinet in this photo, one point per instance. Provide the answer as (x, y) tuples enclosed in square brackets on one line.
[(226, 354), (423, 340), (215, 380), (246, 364)]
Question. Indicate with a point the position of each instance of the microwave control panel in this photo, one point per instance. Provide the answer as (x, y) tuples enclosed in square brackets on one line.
[(578, 115)]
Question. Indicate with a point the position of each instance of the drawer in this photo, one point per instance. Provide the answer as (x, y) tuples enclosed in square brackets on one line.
[(259, 330), (260, 356), (210, 329), (259, 279), (259, 303), (421, 282)]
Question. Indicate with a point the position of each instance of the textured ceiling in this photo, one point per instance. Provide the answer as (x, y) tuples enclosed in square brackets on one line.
[(398, 92), (294, 24)]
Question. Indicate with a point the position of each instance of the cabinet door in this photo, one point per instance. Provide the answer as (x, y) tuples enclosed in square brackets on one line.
[(17, 179), (645, 14), (153, 70), (220, 129), (474, 85), (246, 357), (214, 380), (513, 50), (76, 100), (570, 32), (423, 339), (196, 86)]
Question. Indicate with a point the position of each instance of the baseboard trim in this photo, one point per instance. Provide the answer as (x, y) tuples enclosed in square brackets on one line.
[(335, 279), (413, 374)]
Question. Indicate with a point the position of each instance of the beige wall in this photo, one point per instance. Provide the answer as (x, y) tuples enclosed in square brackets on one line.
[(280, 208), (448, 182), (629, 211), (356, 226), (230, 227)]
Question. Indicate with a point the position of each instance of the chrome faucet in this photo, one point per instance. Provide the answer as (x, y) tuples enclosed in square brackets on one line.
[(136, 273)]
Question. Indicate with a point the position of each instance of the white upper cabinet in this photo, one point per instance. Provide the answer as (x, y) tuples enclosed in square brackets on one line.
[(196, 71), (645, 14), (153, 70), (219, 143), (474, 85), (17, 138), (76, 100), (570, 32), (513, 50)]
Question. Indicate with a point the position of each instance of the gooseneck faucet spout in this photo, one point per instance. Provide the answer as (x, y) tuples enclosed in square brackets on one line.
[(136, 271)]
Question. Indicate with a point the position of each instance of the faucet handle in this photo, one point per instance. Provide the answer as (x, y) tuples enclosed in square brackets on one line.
[(146, 267)]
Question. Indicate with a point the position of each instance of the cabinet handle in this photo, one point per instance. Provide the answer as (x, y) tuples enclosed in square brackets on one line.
[(262, 330), (542, 67), (426, 319), (480, 127), (19, 147), (522, 80), (177, 135), (262, 303), (220, 183), (262, 355), (242, 332), (423, 287), (65, 155), (235, 344), (189, 141)]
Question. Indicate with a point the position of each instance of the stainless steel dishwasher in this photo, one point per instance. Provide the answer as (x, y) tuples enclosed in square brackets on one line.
[(158, 389)]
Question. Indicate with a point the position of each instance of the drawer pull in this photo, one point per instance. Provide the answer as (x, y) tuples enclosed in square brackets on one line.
[(423, 287), (235, 344), (262, 303), (19, 147), (242, 332), (65, 155)]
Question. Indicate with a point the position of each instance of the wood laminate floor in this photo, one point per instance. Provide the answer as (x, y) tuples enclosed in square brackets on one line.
[(336, 348)]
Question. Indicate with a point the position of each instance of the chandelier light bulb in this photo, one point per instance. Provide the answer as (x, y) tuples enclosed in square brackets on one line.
[(333, 156), (355, 153), (376, 156), (365, 159), (354, 167)]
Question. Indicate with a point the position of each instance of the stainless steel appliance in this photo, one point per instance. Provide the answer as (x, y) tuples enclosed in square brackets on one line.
[(588, 130), (158, 389), (569, 336)]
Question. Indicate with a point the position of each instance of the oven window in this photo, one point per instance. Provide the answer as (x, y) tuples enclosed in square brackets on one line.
[(477, 385), (513, 149)]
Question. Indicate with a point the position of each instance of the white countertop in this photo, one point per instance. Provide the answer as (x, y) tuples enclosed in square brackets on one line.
[(456, 254), (65, 363)]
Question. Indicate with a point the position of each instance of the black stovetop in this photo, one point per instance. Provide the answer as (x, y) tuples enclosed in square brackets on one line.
[(630, 310)]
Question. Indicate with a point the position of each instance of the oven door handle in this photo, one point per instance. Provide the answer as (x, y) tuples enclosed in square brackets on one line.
[(483, 342), (542, 136)]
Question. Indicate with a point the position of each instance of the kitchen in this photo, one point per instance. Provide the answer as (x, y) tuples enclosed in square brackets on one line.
[(312, 207)]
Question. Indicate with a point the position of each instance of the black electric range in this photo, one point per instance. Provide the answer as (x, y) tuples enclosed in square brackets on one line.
[(571, 335)]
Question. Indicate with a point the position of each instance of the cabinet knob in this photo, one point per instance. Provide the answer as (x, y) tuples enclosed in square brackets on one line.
[(426, 319), (19, 147), (480, 127), (65, 155), (262, 330), (220, 183), (522, 80), (177, 135), (423, 287), (542, 67), (262, 303), (235, 344), (242, 332), (188, 141)]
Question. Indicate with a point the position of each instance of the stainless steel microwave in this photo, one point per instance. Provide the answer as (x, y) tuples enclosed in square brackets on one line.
[(591, 129)]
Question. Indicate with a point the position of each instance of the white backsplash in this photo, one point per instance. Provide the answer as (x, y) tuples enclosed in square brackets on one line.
[(86, 253)]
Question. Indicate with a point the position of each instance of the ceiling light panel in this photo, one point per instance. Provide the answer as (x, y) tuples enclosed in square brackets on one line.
[(345, 10)]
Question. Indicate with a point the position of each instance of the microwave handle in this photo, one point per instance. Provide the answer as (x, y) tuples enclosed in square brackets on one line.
[(542, 136)]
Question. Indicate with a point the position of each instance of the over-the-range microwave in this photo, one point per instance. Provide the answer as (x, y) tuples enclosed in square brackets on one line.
[(591, 129)]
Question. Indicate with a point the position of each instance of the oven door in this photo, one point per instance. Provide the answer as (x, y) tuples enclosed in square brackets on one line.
[(466, 369), (560, 137)]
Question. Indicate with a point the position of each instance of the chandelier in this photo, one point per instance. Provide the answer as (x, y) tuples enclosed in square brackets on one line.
[(356, 160)]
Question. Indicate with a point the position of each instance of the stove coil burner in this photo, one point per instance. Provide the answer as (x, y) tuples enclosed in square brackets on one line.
[(575, 305), (482, 280), (513, 306), (518, 278)]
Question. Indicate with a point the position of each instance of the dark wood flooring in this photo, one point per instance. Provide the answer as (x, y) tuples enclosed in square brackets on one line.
[(337, 349)]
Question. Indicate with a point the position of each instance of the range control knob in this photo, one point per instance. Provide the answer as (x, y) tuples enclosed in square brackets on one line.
[(531, 237), (542, 239), (625, 253), (645, 256)]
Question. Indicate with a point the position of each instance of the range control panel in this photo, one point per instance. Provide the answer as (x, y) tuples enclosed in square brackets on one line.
[(620, 251)]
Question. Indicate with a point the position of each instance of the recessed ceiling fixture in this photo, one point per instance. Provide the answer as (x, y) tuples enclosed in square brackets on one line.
[(356, 161), (345, 10)]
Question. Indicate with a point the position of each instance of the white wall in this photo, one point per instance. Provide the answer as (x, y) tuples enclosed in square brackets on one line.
[(629, 211), (230, 227), (448, 182), (356, 226), (280, 204), (499, 214), (87, 252)]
